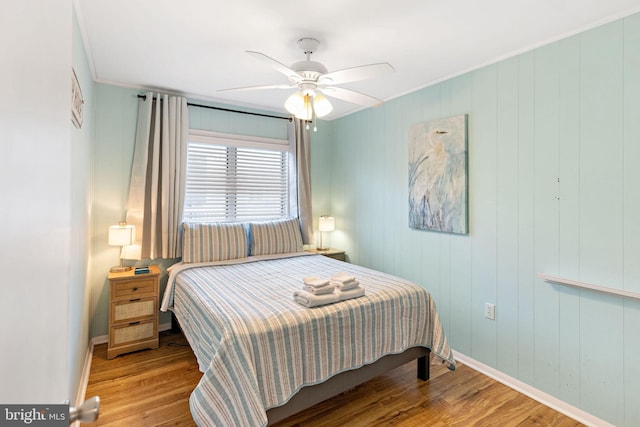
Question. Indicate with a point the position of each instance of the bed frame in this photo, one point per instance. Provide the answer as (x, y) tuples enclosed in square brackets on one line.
[(311, 395)]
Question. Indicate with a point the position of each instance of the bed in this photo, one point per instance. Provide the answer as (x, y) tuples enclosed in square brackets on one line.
[(263, 355)]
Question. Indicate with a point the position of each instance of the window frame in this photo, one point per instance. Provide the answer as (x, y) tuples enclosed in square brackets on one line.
[(250, 142)]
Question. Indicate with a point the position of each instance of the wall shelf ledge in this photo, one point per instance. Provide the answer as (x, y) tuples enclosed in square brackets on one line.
[(584, 285)]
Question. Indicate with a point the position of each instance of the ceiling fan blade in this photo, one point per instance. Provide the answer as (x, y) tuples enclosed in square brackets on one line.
[(278, 66), (353, 74), (238, 89), (350, 96)]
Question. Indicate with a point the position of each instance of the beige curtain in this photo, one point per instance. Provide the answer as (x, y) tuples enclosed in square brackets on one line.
[(302, 145), (156, 191)]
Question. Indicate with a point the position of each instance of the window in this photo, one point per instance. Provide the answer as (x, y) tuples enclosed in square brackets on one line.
[(236, 178)]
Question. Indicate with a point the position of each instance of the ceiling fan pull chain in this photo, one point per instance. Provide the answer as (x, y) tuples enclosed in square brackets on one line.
[(313, 112)]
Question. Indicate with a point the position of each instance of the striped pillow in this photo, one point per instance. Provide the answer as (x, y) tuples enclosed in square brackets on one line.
[(214, 242), (275, 237)]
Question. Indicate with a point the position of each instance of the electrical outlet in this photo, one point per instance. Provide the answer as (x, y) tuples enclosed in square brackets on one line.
[(490, 311)]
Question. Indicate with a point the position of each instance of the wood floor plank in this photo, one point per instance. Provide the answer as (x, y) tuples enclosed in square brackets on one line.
[(152, 388)]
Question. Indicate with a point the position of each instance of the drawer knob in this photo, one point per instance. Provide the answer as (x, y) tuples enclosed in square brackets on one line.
[(135, 289)]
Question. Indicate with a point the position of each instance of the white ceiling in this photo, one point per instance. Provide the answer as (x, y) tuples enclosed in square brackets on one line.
[(197, 47)]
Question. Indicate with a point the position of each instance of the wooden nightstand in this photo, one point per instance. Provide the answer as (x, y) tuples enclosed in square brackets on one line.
[(331, 253), (133, 311)]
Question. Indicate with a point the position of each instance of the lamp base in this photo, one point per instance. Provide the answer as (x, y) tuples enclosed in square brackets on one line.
[(119, 269), (322, 249)]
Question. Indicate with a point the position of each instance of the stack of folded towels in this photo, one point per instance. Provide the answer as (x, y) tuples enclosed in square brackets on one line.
[(317, 291)]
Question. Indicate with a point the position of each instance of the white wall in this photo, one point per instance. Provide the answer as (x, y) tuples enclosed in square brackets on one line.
[(35, 79), (82, 148)]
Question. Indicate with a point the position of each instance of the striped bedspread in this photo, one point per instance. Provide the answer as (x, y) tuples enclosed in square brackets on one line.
[(257, 347)]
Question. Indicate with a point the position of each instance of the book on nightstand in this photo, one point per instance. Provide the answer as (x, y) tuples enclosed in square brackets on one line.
[(141, 270)]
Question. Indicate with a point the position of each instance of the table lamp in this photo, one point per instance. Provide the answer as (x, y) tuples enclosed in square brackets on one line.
[(326, 223), (121, 235)]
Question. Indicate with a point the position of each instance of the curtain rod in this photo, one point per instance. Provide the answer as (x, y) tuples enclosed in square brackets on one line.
[(229, 110)]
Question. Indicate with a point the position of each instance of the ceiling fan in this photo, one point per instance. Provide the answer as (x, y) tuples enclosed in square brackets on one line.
[(313, 80)]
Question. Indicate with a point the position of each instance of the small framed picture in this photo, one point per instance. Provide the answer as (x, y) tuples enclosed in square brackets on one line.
[(76, 101)]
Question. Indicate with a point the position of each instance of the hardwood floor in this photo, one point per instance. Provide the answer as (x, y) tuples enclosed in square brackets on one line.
[(152, 388)]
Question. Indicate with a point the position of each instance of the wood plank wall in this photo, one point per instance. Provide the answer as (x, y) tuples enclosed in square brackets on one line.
[(554, 141)]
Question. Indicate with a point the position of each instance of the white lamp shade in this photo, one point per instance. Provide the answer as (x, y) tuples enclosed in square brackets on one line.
[(304, 105), (306, 113), (321, 105), (326, 223), (122, 235), (295, 103)]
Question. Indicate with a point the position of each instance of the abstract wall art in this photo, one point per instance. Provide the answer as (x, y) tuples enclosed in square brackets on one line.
[(438, 175)]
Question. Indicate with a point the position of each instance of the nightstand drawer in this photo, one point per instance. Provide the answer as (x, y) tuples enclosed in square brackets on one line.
[(129, 289), (131, 333), (135, 309)]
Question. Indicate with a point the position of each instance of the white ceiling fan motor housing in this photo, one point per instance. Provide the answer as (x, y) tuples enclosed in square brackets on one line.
[(310, 71)]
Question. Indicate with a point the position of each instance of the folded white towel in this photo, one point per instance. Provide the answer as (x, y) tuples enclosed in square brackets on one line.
[(319, 291), (343, 277), (310, 300), (344, 286), (316, 282), (352, 293)]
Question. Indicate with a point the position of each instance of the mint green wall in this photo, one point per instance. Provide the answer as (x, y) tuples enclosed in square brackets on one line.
[(567, 111), (115, 128), (234, 123), (116, 119), (321, 177)]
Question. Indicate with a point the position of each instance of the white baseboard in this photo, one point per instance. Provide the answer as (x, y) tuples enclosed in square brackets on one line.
[(100, 339), (84, 380), (538, 395)]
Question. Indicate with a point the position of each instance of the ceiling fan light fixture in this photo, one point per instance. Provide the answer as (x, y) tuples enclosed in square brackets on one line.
[(300, 106), (303, 106), (321, 105), (294, 103), (306, 113)]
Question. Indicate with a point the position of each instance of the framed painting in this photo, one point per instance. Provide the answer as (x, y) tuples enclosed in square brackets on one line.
[(77, 101), (438, 175)]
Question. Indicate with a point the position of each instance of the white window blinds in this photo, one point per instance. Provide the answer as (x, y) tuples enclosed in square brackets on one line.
[(236, 178)]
